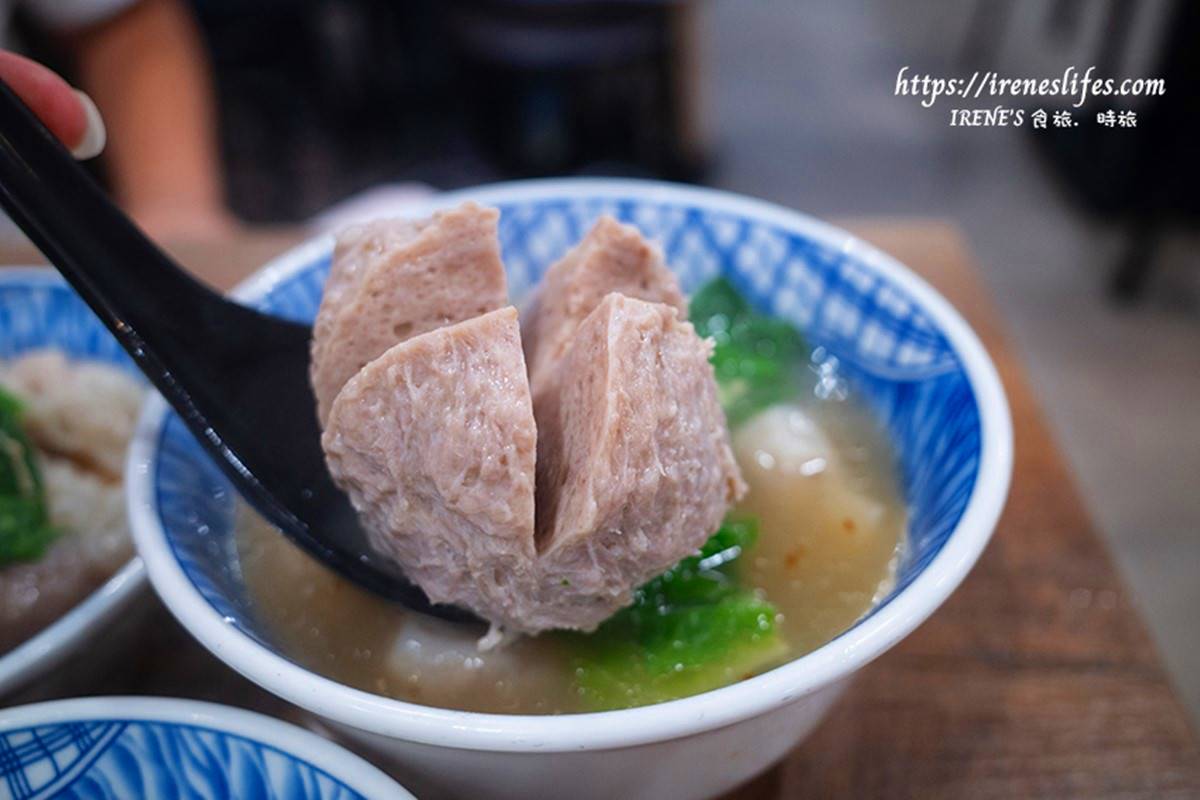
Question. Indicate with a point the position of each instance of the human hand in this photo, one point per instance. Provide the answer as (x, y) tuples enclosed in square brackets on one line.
[(74, 119), (185, 221), (67, 112)]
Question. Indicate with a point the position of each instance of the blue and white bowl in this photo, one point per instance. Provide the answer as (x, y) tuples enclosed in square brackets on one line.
[(911, 357), (152, 748), (38, 310)]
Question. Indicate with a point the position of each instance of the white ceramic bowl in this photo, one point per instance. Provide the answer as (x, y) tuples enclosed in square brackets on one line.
[(38, 309), (912, 358), (157, 748)]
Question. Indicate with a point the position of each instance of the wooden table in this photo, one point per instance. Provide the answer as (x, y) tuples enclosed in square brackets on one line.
[(1036, 679)]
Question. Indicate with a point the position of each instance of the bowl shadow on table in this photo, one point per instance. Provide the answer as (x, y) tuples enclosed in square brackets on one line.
[(832, 760), (146, 652), (841, 757), (98, 660)]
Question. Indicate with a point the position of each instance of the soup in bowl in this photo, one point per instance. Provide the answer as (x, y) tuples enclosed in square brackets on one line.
[(868, 423)]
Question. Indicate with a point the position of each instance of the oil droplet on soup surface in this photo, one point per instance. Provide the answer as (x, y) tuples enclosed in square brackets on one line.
[(831, 523)]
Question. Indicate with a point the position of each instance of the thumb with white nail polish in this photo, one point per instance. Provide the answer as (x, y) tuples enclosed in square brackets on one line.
[(67, 112), (94, 135), (70, 114)]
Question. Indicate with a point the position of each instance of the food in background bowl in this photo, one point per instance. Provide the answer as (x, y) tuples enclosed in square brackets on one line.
[(39, 313), (64, 426)]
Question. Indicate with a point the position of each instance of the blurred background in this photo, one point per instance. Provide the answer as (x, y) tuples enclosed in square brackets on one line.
[(310, 112)]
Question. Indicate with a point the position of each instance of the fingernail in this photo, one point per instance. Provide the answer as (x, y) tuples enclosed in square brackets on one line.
[(95, 135)]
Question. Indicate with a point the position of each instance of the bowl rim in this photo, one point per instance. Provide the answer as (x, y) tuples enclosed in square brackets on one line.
[(55, 642), (626, 727), (304, 746)]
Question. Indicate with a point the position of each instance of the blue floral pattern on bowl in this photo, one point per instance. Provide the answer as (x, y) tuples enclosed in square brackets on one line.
[(38, 309), (118, 759), (893, 354)]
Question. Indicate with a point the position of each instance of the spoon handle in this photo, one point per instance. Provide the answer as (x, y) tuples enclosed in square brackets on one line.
[(237, 378), (186, 338), (97, 248)]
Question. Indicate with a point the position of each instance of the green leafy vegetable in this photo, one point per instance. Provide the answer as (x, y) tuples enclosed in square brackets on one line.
[(689, 630), (694, 628), (25, 529), (756, 358)]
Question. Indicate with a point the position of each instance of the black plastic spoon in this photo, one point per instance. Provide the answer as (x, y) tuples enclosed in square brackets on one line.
[(237, 377)]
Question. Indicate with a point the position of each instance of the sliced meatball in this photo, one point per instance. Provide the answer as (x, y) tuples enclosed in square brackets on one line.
[(395, 279), (611, 258), (434, 442), (434, 437), (634, 465)]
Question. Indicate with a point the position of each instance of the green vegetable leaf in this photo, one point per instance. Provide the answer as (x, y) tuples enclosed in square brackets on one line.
[(756, 358), (25, 529), (689, 630), (24, 533), (694, 628)]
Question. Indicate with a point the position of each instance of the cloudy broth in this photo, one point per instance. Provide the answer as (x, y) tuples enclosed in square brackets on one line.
[(832, 523)]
